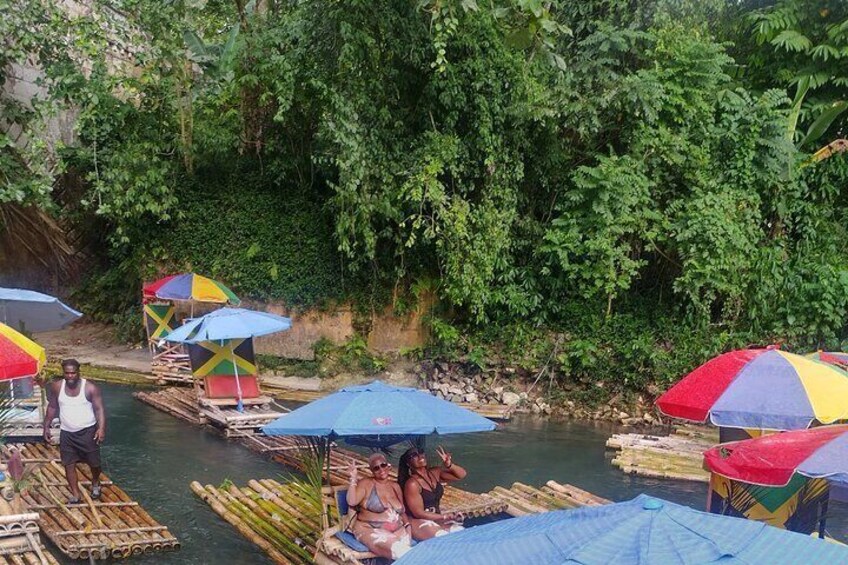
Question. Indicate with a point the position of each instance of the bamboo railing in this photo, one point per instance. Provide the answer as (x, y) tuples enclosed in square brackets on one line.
[(113, 527)]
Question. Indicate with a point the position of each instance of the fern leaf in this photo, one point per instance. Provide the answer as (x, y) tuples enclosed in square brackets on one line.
[(792, 40)]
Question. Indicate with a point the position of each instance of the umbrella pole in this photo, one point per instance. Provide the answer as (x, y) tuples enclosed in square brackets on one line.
[(327, 455), (822, 518), (239, 404)]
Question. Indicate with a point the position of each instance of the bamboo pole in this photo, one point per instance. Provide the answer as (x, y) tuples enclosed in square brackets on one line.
[(260, 524), (210, 495)]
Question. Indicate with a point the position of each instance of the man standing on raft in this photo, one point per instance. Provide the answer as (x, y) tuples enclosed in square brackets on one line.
[(82, 421)]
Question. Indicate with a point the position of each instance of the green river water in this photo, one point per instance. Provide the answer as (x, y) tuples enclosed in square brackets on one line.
[(154, 457)]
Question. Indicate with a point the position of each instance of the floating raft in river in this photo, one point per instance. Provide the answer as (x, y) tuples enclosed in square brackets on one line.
[(183, 403), (113, 527), (289, 451), (675, 456), (20, 541), (521, 499), (286, 522)]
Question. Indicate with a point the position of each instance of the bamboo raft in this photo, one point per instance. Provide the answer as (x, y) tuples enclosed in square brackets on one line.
[(20, 541), (287, 522), (289, 451), (676, 456), (176, 401), (185, 404), (171, 368), (521, 499), (282, 520), (113, 527)]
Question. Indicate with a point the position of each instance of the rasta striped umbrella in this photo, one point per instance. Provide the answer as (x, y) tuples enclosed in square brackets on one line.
[(766, 389), (189, 286), (19, 355)]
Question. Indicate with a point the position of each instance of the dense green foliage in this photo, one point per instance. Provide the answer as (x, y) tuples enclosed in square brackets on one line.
[(621, 186)]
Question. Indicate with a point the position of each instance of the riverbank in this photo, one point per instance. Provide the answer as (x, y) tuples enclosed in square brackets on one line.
[(104, 359)]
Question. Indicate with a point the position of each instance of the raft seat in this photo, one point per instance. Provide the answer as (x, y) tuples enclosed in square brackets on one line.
[(336, 541), (224, 386)]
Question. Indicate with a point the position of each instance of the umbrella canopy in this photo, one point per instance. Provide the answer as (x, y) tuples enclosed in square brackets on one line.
[(19, 355), (32, 311), (189, 286), (644, 530), (378, 409), (838, 358), (774, 459), (229, 323), (760, 388)]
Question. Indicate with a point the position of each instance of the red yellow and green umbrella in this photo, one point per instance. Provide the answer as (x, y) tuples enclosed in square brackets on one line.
[(766, 389), (19, 355)]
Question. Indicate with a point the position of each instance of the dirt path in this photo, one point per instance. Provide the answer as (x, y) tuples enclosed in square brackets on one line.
[(94, 344)]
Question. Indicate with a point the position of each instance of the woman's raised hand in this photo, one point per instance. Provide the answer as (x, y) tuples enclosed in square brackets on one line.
[(353, 472), (445, 456)]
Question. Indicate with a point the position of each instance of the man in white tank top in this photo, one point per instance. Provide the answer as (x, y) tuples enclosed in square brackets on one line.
[(79, 406)]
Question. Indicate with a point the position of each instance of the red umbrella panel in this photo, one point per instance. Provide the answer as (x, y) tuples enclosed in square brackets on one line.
[(19, 355), (773, 460)]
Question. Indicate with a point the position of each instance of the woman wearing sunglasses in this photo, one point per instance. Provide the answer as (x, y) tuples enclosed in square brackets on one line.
[(423, 489), (381, 523)]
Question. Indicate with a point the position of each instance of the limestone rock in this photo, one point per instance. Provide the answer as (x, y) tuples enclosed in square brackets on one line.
[(510, 398)]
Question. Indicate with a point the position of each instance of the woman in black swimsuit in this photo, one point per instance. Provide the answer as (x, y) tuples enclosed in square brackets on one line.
[(423, 489), (381, 522)]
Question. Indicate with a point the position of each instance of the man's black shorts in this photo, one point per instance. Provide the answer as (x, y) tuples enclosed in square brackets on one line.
[(79, 447)]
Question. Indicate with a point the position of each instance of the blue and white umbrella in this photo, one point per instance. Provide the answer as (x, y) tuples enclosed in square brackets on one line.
[(229, 323), (642, 531), (30, 311), (378, 409)]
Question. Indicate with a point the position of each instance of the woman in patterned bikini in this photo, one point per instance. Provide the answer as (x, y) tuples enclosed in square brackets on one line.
[(381, 523)]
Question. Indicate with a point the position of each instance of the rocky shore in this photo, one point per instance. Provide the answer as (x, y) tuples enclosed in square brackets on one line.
[(457, 382)]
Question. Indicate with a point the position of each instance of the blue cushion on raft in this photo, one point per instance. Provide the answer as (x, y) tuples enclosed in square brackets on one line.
[(350, 540)]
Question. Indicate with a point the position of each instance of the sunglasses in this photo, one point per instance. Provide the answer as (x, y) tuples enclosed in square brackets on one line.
[(414, 454), (379, 466)]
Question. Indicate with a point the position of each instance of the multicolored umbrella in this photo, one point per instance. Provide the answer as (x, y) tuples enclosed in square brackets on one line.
[(775, 459), (19, 355), (767, 389), (837, 358), (189, 286)]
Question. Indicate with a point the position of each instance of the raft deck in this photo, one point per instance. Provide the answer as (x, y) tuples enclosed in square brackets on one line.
[(286, 522), (113, 527), (184, 404), (20, 541), (679, 455), (289, 451)]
